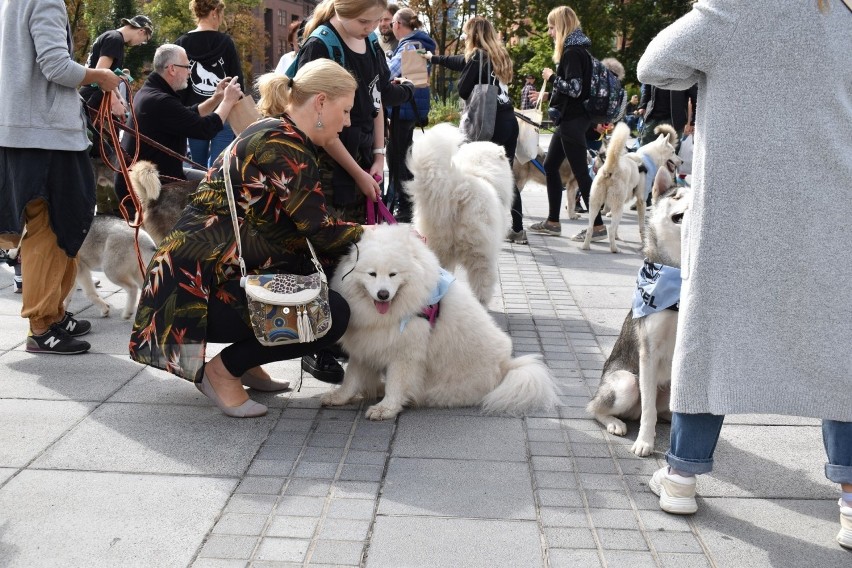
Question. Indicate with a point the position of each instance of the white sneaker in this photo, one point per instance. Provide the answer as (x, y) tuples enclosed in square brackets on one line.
[(677, 493), (844, 537)]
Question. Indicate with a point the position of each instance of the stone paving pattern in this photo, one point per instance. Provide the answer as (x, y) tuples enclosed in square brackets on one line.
[(104, 462)]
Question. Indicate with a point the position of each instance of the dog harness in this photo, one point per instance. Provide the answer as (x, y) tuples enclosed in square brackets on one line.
[(433, 305), (657, 289), (651, 167)]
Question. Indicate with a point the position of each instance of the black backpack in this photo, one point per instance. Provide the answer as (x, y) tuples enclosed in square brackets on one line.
[(607, 98)]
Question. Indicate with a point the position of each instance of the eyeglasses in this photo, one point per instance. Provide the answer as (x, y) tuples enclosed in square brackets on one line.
[(184, 66)]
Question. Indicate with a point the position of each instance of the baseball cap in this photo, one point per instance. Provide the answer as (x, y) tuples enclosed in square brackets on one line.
[(140, 21)]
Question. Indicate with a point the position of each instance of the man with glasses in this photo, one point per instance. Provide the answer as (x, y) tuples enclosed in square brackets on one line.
[(162, 117)]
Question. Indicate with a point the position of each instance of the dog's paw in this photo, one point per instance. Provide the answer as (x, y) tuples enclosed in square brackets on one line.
[(586, 246), (126, 315), (381, 412), (573, 216), (617, 428), (104, 310), (642, 448), (333, 398)]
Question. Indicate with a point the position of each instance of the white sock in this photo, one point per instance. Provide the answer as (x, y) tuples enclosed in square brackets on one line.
[(673, 471), (847, 498)]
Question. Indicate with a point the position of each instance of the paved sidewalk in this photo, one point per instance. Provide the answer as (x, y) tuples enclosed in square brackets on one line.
[(106, 463)]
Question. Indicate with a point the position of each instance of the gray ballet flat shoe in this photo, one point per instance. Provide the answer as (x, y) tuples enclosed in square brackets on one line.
[(264, 385), (248, 409)]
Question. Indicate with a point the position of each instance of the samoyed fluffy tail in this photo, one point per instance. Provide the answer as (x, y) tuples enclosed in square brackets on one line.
[(145, 180), (615, 148), (527, 384)]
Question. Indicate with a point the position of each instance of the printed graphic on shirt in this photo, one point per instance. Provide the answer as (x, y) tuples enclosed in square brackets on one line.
[(503, 96), (204, 80), (377, 96)]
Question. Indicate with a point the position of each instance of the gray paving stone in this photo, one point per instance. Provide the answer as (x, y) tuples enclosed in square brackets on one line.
[(564, 558), (292, 527), (274, 468), (308, 487), (28, 427), (675, 542), (669, 560), (351, 509), (322, 455), (15, 328), (778, 532), (316, 470), (253, 504), (569, 538), (366, 458), (618, 539), (91, 378), (410, 541), (219, 563), (240, 524), (6, 473), (300, 506), (460, 437), (159, 439), (282, 549), (555, 480), (355, 489), (152, 386), (559, 498), (358, 472), (614, 519), (457, 488), (109, 519), (337, 553), (558, 449), (566, 517), (632, 558), (344, 529)]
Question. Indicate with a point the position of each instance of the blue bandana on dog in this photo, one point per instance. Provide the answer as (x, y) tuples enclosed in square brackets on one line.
[(433, 305), (657, 289)]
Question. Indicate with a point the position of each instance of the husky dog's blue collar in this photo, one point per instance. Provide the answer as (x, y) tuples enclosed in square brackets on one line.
[(657, 289), (433, 304)]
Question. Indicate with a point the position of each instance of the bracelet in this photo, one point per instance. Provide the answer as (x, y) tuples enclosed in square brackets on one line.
[(378, 151)]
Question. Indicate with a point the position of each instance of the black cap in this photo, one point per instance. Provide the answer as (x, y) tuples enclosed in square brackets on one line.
[(140, 21), (530, 76)]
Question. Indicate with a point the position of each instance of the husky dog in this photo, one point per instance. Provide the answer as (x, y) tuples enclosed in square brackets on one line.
[(161, 205), (525, 173), (462, 196), (457, 356), (624, 175), (110, 246), (636, 376)]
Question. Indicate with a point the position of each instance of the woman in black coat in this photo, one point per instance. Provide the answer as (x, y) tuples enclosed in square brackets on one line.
[(570, 86), (481, 42)]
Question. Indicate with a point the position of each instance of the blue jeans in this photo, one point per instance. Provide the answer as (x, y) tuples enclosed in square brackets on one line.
[(205, 152), (694, 437)]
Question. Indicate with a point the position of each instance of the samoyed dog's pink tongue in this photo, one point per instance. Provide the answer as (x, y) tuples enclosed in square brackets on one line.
[(382, 307)]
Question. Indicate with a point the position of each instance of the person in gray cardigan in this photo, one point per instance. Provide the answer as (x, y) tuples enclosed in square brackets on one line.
[(46, 180), (765, 303)]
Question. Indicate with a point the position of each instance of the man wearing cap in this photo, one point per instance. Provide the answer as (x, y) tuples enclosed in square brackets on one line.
[(108, 53), (528, 89)]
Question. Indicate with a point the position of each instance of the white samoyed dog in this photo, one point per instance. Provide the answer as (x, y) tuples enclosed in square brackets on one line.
[(460, 359), (462, 197)]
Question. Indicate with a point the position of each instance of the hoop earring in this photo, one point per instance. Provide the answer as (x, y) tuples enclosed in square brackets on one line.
[(319, 124)]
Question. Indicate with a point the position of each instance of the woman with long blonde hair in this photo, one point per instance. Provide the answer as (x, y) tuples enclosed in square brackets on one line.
[(358, 154), (570, 85), (482, 46)]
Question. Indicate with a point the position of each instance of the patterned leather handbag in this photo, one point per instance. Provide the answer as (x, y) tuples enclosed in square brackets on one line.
[(283, 308)]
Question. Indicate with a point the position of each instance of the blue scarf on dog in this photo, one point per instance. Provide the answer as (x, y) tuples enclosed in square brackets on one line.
[(657, 289), (433, 304)]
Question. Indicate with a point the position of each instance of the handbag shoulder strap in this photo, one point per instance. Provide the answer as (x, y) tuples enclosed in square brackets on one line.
[(232, 205), (484, 54)]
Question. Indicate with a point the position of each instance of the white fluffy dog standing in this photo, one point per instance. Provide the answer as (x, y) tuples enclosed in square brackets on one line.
[(388, 279), (462, 196)]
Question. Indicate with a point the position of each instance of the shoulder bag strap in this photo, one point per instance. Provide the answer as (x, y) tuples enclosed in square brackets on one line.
[(232, 205)]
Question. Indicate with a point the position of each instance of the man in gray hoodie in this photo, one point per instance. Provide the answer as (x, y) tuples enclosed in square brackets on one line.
[(46, 180)]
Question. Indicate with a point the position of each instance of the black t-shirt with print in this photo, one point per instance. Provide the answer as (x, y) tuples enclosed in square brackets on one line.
[(108, 44)]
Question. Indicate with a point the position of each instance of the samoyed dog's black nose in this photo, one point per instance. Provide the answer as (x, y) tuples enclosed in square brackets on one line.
[(383, 295)]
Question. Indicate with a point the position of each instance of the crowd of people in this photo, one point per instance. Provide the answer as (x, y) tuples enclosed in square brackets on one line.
[(751, 338)]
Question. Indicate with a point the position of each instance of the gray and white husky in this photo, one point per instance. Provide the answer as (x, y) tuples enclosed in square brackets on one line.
[(110, 246), (637, 375)]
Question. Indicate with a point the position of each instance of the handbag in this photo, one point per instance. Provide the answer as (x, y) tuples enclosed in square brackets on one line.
[(283, 308), (481, 108)]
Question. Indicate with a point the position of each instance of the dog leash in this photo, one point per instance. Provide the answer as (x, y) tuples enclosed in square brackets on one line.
[(377, 211)]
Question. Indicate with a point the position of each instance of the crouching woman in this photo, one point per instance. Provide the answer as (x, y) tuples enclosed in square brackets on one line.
[(192, 292)]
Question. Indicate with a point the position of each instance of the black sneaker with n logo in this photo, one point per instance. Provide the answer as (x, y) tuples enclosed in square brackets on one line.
[(74, 327), (56, 340)]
